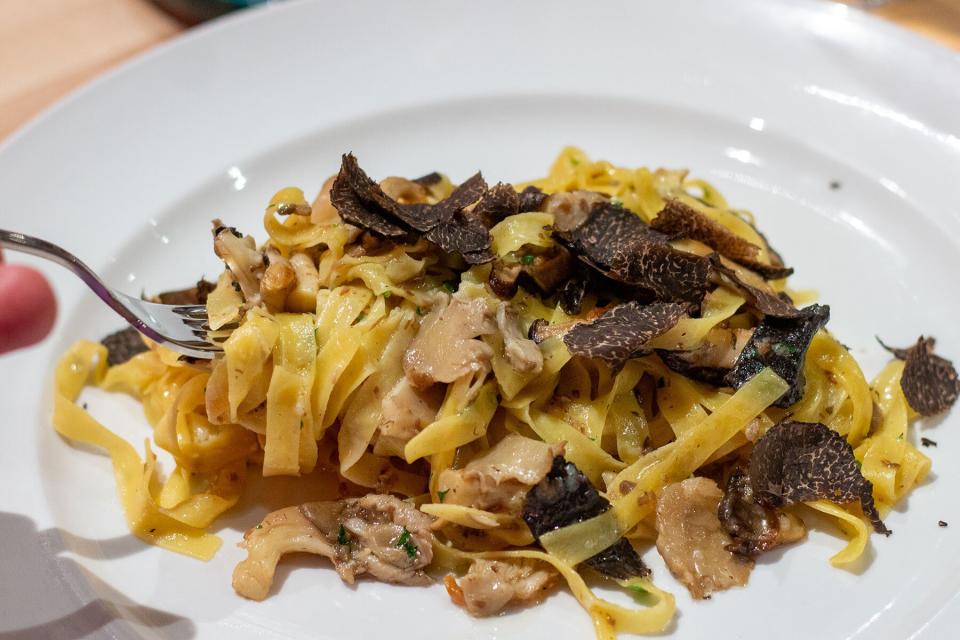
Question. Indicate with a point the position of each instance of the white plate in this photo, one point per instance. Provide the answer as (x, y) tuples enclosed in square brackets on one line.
[(770, 100)]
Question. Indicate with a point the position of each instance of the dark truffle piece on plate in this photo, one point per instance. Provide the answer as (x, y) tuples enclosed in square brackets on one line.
[(803, 461), (621, 333), (759, 294), (781, 344), (929, 382), (564, 497), (677, 218), (123, 345), (531, 199)]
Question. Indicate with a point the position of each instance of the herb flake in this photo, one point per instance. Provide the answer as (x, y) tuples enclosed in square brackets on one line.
[(403, 542)]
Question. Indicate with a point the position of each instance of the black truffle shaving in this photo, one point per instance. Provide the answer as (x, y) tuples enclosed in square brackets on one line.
[(680, 219), (676, 362), (757, 292), (570, 295), (496, 204), (621, 333), (123, 345), (929, 382), (424, 217), (781, 344), (622, 247), (429, 180), (607, 230), (803, 461), (194, 295), (361, 201), (531, 199), (469, 238), (671, 275), (362, 214), (566, 497)]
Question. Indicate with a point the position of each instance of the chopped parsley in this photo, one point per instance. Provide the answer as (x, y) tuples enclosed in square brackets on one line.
[(403, 542), (443, 494), (361, 317), (900, 438), (636, 588), (419, 311), (259, 526), (342, 536), (574, 161), (527, 259), (617, 202), (449, 286), (387, 294)]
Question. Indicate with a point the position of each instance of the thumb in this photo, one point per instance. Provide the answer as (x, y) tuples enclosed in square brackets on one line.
[(27, 307)]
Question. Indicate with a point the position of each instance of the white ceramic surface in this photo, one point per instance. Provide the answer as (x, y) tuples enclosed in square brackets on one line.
[(770, 100)]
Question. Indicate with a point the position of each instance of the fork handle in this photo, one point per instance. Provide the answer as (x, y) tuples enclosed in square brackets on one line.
[(49, 251)]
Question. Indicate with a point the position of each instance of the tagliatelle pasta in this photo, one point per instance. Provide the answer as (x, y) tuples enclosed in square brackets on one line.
[(512, 384)]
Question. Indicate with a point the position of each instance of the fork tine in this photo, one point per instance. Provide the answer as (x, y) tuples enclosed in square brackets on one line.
[(193, 311), (201, 323)]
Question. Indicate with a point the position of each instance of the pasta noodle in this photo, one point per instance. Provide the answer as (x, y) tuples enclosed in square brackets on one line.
[(365, 365)]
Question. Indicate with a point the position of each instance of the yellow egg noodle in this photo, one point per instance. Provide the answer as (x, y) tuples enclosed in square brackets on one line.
[(306, 385)]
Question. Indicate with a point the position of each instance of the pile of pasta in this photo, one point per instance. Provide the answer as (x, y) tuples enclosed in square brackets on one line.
[(298, 389)]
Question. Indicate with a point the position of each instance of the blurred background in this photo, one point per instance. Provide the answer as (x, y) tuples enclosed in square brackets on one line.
[(49, 47)]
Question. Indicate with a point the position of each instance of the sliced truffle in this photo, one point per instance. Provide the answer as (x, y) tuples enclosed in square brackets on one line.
[(356, 198), (757, 291), (781, 344), (755, 527), (599, 232), (621, 333), (531, 199), (123, 345), (424, 217), (680, 219), (496, 204), (618, 244), (571, 293), (194, 295), (467, 237), (928, 381), (669, 273), (802, 461), (566, 497), (361, 201), (428, 180)]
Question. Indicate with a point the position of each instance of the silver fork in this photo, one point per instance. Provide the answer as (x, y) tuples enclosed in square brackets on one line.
[(182, 328)]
